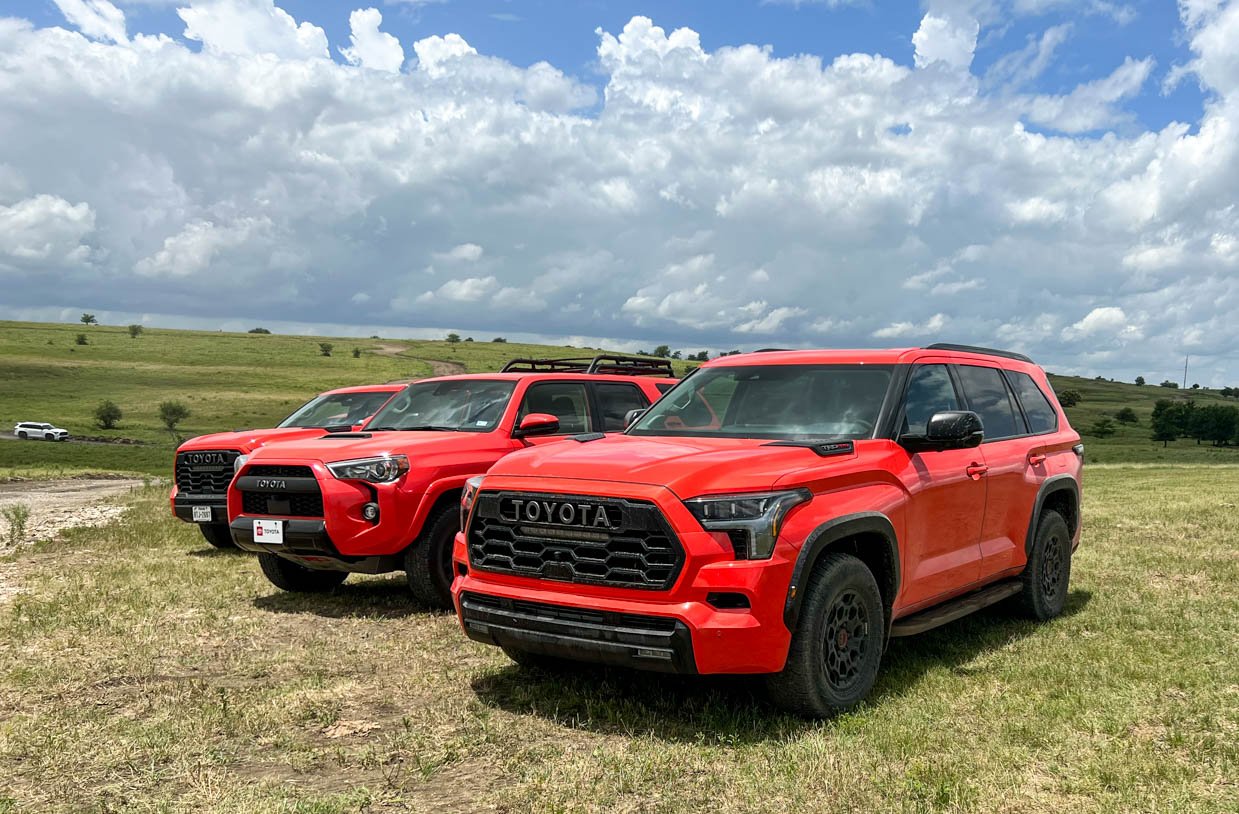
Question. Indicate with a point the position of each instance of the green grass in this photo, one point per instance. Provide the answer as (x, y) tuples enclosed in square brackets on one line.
[(140, 671)]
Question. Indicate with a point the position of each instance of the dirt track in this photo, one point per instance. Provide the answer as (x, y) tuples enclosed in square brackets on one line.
[(437, 367), (56, 505)]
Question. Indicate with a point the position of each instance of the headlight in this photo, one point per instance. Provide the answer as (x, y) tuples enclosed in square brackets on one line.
[(238, 463), (384, 469), (466, 498), (751, 520)]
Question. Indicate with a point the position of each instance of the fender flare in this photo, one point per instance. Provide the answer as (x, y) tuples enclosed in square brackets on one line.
[(1052, 485), (433, 494), (832, 531)]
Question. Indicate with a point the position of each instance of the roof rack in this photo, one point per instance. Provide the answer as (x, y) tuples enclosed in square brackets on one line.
[(603, 363), (1006, 354)]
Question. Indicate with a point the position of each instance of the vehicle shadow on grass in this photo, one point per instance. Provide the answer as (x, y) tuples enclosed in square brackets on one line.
[(729, 710), (210, 553), (364, 599)]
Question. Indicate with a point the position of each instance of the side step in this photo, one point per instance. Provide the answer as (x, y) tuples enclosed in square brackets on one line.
[(955, 608)]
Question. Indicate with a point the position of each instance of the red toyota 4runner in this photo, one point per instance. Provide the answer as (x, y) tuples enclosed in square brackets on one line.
[(782, 513), (204, 465), (388, 499)]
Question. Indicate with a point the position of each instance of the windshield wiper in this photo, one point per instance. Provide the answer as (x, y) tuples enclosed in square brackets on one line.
[(424, 428)]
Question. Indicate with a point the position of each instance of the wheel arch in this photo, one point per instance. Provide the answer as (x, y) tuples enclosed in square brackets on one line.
[(1061, 493), (869, 536)]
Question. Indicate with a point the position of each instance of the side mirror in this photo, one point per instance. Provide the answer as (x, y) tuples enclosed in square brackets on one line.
[(632, 416), (537, 424), (951, 429)]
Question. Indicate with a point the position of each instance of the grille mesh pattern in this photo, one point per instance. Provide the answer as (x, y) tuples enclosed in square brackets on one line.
[(635, 548), (276, 471), (283, 504), (205, 473)]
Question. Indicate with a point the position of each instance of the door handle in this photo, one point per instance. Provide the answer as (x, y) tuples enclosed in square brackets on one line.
[(1036, 458), (975, 471)]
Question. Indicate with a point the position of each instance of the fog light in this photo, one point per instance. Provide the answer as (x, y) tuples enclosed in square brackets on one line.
[(370, 512)]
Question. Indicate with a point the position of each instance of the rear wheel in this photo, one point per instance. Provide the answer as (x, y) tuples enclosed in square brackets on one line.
[(1048, 572), (428, 562), (837, 646), (218, 535), (22, 435), (288, 576)]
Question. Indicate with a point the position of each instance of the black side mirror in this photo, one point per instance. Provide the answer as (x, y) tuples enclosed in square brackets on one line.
[(632, 416), (951, 429)]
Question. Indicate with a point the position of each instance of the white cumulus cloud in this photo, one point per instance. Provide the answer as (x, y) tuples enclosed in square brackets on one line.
[(370, 47)]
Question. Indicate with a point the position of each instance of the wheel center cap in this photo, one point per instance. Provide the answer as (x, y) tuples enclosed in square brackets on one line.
[(841, 641)]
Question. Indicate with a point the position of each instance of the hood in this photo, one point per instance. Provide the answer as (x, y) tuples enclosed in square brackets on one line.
[(248, 440), (687, 466), (354, 445)]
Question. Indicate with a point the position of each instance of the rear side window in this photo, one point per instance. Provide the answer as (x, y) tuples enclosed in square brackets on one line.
[(988, 397), (1041, 416), (929, 391), (615, 401)]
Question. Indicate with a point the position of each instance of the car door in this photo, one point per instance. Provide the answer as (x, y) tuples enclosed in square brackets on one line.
[(946, 497), (1010, 476), (566, 400)]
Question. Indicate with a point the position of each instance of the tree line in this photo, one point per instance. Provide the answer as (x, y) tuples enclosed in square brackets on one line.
[(1215, 423)]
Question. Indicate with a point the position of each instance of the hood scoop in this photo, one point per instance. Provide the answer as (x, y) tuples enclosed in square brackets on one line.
[(826, 449), (343, 436)]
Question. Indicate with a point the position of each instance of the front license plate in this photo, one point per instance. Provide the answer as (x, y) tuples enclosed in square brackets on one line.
[(202, 514), (269, 531)]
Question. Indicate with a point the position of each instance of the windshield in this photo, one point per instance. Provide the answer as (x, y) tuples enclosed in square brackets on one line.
[(336, 411), (772, 401), (463, 405)]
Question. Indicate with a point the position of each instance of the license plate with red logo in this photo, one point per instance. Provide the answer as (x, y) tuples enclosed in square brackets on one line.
[(269, 531)]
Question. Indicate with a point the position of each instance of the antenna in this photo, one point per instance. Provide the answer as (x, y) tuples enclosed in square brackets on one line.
[(1185, 358)]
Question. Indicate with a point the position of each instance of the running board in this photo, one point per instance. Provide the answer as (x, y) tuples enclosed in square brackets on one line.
[(955, 608)]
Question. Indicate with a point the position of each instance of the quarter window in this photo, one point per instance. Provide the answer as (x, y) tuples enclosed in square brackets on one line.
[(615, 401), (930, 391), (1041, 416), (988, 397)]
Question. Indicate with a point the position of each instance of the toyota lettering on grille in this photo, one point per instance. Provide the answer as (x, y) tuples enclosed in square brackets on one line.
[(270, 483), (558, 513), (206, 458)]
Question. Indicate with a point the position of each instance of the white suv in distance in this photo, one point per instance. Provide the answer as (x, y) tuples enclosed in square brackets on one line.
[(36, 430)]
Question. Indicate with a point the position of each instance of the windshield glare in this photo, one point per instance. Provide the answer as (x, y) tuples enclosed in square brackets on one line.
[(772, 401), (464, 405), (336, 411)]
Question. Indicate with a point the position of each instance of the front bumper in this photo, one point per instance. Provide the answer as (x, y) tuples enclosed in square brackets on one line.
[(307, 542), (183, 507)]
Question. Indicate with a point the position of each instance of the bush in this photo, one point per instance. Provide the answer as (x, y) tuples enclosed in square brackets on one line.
[(172, 413), (1170, 384), (356, 353), (134, 331), (1139, 381), (325, 348), (107, 414), (1070, 398), (258, 331), (81, 340), (16, 516), (453, 338), (499, 340), (1102, 428), (468, 338), (1126, 416)]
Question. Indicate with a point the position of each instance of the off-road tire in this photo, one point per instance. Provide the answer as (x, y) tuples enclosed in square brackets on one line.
[(837, 646), (428, 562), (218, 535), (1048, 573), (289, 576)]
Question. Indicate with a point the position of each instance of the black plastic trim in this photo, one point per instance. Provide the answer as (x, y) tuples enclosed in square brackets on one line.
[(1005, 354), (274, 483), (830, 532), (1053, 485), (183, 507), (825, 449)]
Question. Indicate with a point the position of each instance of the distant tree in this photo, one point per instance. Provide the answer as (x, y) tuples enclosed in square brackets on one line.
[(135, 331), (1139, 381), (1126, 416), (172, 413), (453, 338), (643, 353), (675, 355), (499, 340), (325, 348), (356, 353), (258, 331), (468, 338), (1227, 392), (1195, 386), (80, 339), (376, 336), (1216, 422), (1164, 421), (662, 351), (730, 353), (107, 414), (1103, 428), (88, 319), (1070, 398), (1170, 384)]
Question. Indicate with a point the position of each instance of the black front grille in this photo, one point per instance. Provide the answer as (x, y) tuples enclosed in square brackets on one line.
[(275, 471), (574, 538), (283, 504), (205, 472), (581, 616)]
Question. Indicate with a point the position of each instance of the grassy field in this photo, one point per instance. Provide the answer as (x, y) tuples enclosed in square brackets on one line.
[(245, 380), (141, 672)]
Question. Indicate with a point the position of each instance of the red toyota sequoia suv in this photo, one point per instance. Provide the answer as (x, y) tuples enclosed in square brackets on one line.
[(388, 499), (204, 465), (781, 512)]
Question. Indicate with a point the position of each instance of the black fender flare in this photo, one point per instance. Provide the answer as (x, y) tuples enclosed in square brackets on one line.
[(1052, 485), (839, 528)]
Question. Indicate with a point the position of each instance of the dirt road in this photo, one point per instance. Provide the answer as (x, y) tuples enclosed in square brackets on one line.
[(437, 367), (56, 505)]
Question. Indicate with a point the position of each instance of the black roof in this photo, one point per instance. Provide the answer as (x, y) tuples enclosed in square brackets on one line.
[(603, 363), (1006, 354)]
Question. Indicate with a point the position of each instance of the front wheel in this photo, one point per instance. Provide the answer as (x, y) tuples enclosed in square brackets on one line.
[(837, 646), (218, 535), (1048, 572), (428, 562), (49, 437), (288, 576)]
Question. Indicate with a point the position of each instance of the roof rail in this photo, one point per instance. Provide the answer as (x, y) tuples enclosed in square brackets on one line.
[(603, 363), (1006, 354)]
